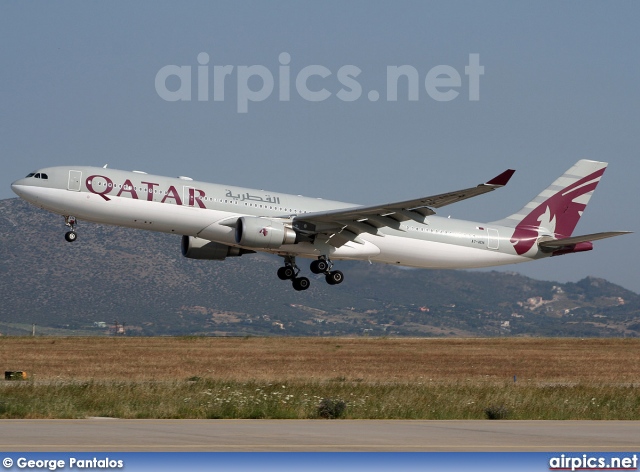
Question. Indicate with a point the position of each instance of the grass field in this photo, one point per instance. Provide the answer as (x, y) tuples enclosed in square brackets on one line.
[(517, 378)]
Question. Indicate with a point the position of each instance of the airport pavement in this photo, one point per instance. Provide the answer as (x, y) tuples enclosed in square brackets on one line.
[(106, 434)]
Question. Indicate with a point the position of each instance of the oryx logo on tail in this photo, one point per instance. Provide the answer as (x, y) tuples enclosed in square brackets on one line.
[(556, 211)]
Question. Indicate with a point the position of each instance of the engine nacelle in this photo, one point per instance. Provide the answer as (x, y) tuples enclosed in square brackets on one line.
[(263, 233), (197, 248)]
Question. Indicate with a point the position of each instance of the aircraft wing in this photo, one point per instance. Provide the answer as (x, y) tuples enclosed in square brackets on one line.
[(344, 225)]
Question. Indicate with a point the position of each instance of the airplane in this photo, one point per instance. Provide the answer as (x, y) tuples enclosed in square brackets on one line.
[(220, 221)]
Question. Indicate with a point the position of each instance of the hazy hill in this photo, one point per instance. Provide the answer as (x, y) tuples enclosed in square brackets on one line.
[(140, 278)]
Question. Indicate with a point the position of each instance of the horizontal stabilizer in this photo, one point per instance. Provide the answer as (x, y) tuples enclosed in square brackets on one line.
[(560, 243)]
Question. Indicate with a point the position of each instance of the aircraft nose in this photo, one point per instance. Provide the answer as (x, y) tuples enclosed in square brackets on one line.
[(19, 186), (15, 187)]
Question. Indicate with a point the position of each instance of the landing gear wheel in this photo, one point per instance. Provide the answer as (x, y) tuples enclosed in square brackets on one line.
[(301, 283), (334, 278), (70, 221), (286, 273), (319, 267), (290, 271)]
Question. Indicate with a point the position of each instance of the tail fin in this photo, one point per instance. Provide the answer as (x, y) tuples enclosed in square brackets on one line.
[(556, 211)]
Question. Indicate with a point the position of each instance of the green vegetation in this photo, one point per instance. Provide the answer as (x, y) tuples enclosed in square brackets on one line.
[(218, 399), (271, 377)]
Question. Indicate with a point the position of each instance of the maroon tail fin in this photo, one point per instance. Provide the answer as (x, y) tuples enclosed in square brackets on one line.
[(556, 211)]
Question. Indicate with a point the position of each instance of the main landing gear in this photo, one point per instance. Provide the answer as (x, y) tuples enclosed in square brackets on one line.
[(70, 221), (323, 265), (290, 271)]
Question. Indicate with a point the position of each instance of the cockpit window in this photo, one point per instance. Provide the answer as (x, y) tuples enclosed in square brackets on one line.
[(38, 175)]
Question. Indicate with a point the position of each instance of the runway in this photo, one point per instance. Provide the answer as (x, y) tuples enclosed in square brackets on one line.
[(97, 434)]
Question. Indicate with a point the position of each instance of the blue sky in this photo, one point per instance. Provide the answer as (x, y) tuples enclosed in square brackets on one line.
[(560, 83)]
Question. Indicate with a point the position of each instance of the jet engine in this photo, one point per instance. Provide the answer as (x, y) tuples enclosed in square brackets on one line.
[(263, 233), (197, 248)]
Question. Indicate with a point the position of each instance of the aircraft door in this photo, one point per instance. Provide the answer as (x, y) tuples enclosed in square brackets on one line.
[(494, 238), (75, 179)]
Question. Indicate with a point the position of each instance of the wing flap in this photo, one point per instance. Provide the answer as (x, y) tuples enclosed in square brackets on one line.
[(342, 237), (364, 227)]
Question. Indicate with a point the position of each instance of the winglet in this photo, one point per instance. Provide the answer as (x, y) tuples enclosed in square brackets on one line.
[(502, 179)]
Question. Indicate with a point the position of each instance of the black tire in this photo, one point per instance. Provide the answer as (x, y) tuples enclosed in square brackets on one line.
[(71, 236), (301, 283), (323, 266), (334, 278), (286, 273), (314, 267)]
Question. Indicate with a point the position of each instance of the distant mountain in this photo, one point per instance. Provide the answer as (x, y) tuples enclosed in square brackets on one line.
[(141, 279)]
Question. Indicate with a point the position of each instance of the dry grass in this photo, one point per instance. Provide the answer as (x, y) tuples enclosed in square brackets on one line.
[(288, 377), (541, 361)]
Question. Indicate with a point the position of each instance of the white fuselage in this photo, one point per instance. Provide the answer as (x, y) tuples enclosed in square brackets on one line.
[(204, 210)]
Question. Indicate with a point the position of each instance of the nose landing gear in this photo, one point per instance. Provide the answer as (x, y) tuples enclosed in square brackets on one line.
[(71, 222)]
